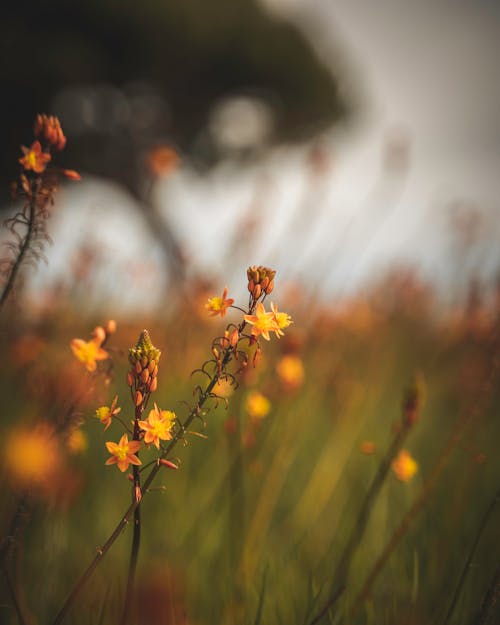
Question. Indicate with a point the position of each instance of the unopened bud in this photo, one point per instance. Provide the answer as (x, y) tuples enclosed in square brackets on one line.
[(270, 288), (153, 385), (138, 367), (168, 464), (99, 333), (130, 378), (251, 285), (144, 376), (111, 327), (215, 352), (234, 337), (152, 366), (264, 283), (257, 290), (138, 398)]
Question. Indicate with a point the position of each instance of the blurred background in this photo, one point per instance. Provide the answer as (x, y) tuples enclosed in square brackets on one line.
[(355, 148)]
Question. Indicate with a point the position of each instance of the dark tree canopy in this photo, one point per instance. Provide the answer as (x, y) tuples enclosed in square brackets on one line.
[(153, 70)]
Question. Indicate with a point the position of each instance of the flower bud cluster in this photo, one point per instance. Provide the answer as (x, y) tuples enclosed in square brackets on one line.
[(48, 127), (260, 280), (143, 359)]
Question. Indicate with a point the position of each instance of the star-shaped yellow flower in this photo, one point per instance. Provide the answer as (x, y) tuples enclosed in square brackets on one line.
[(157, 426), (34, 158), (282, 319), (219, 305), (105, 414), (88, 352), (263, 322), (123, 454)]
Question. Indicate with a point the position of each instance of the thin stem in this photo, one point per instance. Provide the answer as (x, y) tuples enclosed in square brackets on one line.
[(489, 601), (22, 252), (467, 566), (179, 435), (341, 574), (136, 539)]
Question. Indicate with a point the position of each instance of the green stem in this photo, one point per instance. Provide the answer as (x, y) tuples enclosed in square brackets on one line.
[(482, 527), (22, 252), (80, 584)]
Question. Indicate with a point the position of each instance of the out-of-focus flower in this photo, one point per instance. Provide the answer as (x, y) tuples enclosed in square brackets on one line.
[(158, 426), (257, 405), (282, 319), (31, 455), (368, 448), (105, 414), (88, 352), (123, 453), (263, 322), (404, 466), (49, 128), (77, 442), (71, 174), (219, 305), (162, 160), (290, 369), (34, 159)]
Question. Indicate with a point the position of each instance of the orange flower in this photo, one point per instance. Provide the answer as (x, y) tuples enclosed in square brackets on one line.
[(162, 160), (219, 305), (89, 352), (34, 158), (157, 426), (263, 322), (123, 454), (105, 414), (404, 466), (282, 319)]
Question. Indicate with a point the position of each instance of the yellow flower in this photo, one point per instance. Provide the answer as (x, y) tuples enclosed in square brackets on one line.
[(219, 305), (282, 319), (32, 455), (34, 158), (263, 322), (105, 414), (257, 405), (404, 466), (290, 370), (88, 352), (158, 426), (123, 454)]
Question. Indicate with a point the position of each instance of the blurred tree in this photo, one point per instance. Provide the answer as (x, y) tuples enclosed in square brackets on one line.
[(124, 76)]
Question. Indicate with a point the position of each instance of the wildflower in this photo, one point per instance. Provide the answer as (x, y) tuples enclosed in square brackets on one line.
[(260, 279), (290, 370), (257, 405), (158, 426), (88, 352), (143, 359), (105, 414), (123, 454), (77, 442), (282, 319), (219, 305), (49, 128), (34, 159), (162, 160), (404, 466), (32, 455), (263, 322)]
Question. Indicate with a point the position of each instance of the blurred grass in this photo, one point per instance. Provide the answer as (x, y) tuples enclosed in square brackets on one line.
[(250, 530)]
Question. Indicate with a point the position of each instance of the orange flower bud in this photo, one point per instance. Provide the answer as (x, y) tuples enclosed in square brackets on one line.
[(251, 285), (145, 376), (99, 333), (138, 367), (151, 367), (264, 283), (144, 361), (138, 398), (130, 378), (234, 337), (111, 327), (168, 464), (270, 288), (257, 291), (153, 385)]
